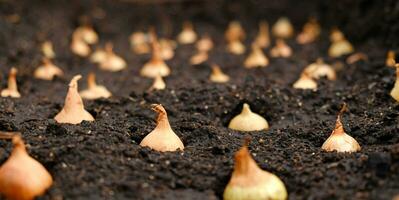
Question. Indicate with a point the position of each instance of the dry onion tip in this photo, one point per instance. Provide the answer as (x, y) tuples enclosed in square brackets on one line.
[(217, 75), (47, 49), (281, 49), (94, 91), (156, 65), (340, 141), (162, 138), (248, 121), (112, 62), (390, 60), (158, 84), (12, 87), (340, 45), (188, 35), (320, 69), (356, 57), (47, 71), (21, 176), (263, 37), (257, 58), (140, 42), (249, 181), (310, 32), (283, 28), (305, 82), (73, 111), (199, 57), (395, 90), (205, 43)]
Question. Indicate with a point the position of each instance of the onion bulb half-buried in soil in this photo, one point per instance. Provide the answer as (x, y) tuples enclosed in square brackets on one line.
[(111, 61), (263, 37), (320, 69), (250, 182), (47, 71), (340, 45), (281, 49), (188, 35), (256, 58), (73, 111), (390, 60), (12, 87), (162, 138), (158, 84), (217, 75), (21, 176), (283, 28), (305, 82), (340, 141), (156, 65), (395, 90), (94, 91), (248, 121), (47, 49), (310, 32)]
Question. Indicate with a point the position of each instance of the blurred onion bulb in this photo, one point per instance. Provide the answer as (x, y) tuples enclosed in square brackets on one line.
[(47, 71), (340, 45), (248, 121), (263, 37), (199, 57), (305, 82), (395, 90), (140, 42), (162, 138), (256, 59), (82, 37), (250, 182), (390, 60), (47, 49), (158, 84), (21, 176), (73, 111), (234, 36), (167, 48), (12, 88), (340, 141), (320, 69), (217, 75), (281, 49), (111, 61), (188, 35), (205, 43), (310, 32), (94, 91), (283, 28), (156, 66)]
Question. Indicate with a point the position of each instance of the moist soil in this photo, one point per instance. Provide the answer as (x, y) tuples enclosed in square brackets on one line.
[(102, 159)]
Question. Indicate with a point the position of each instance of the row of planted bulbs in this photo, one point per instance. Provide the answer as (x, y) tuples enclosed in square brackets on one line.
[(248, 181)]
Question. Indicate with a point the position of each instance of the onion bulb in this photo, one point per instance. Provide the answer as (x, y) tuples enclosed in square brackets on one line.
[(250, 182), (47, 49), (98, 56), (310, 32), (390, 60), (320, 69), (86, 34), (340, 141), (94, 91), (156, 66), (162, 138), (12, 87), (199, 57), (73, 111), (395, 90), (112, 62), (21, 176), (234, 32), (139, 41), (281, 49), (167, 48), (256, 59), (236, 47), (283, 28), (188, 35), (248, 121), (217, 75), (340, 46), (263, 37), (47, 71), (305, 82), (205, 43), (158, 84), (80, 48)]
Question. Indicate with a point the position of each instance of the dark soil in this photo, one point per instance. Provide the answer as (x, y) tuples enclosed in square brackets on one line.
[(102, 159)]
